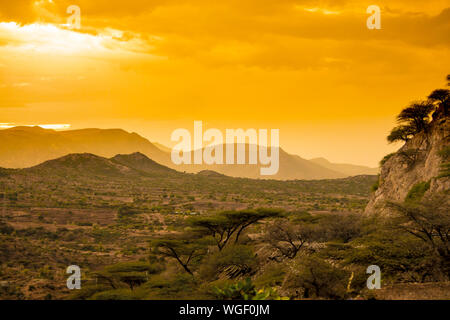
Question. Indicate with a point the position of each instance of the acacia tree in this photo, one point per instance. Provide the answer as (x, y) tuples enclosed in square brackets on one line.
[(184, 251), (287, 238), (400, 133), (131, 273), (417, 115), (427, 220), (412, 120), (441, 97), (223, 226)]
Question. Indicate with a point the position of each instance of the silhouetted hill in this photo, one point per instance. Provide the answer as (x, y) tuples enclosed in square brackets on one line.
[(291, 167), (142, 163), (210, 173), (23, 147), (81, 164)]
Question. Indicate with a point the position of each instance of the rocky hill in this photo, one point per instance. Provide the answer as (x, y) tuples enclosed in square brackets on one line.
[(417, 164)]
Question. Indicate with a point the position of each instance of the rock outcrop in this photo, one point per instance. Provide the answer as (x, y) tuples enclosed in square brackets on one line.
[(419, 160)]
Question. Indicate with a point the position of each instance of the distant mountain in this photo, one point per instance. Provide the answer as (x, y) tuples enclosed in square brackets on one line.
[(81, 164), (141, 162), (291, 167), (209, 173), (89, 165), (347, 169), (162, 147), (23, 147)]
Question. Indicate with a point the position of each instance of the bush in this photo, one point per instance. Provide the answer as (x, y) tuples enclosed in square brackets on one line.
[(126, 211), (386, 158), (417, 191), (133, 274), (272, 276), (245, 290), (319, 279), (339, 227), (401, 257), (179, 287), (376, 185), (445, 166), (118, 294), (88, 291), (5, 228), (234, 261), (138, 266)]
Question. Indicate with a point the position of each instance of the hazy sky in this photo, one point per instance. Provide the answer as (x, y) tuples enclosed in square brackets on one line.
[(309, 68)]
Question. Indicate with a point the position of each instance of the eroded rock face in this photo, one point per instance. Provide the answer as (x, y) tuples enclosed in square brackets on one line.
[(417, 161)]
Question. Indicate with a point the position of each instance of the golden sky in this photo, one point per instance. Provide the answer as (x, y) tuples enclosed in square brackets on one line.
[(310, 68)]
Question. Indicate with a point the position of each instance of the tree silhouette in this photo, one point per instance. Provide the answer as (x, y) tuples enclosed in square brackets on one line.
[(416, 116), (288, 238), (412, 120), (400, 133), (223, 226), (441, 97), (183, 251)]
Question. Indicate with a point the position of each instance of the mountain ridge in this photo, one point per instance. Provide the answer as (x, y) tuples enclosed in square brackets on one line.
[(24, 147)]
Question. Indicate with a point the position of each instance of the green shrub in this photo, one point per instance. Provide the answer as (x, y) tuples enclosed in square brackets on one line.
[(272, 276), (126, 211), (119, 294), (88, 291), (179, 287), (138, 266), (400, 256), (245, 290), (445, 166), (234, 260), (445, 153), (376, 185), (386, 158), (417, 191), (5, 228), (444, 170), (319, 279)]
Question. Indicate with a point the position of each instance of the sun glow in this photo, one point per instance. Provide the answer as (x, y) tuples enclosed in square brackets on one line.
[(44, 126), (323, 11), (57, 39)]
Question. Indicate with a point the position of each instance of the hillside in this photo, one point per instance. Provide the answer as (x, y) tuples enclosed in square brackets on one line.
[(80, 165), (418, 162)]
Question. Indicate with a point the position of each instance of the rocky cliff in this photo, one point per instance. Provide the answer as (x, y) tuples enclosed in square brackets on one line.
[(420, 160)]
